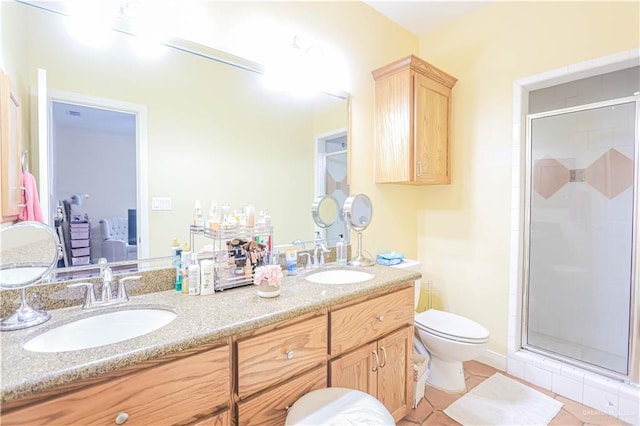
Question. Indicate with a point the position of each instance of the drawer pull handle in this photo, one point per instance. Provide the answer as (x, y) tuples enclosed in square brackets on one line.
[(380, 318), (384, 352), (375, 367), (122, 418), (290, 354), (287, 408)]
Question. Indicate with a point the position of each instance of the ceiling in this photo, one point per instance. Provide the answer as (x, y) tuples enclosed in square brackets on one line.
[(421, 16)]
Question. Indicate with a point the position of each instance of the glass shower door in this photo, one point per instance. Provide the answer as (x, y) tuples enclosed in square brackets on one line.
[(579, 247)]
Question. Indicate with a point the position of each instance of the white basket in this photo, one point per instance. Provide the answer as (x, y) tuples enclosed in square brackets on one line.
[(420, 367)]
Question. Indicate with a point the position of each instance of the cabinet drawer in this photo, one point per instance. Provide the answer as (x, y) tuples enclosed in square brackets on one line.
[(166, 394), (270, 408), (280, 354), (358, 324)]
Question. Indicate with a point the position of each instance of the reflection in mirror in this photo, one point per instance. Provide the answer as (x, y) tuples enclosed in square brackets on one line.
[(324, 210), (28, 252), (214, 132), (358, 212)]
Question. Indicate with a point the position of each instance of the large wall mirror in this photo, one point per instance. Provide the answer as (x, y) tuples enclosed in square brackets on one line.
[(213, 131)]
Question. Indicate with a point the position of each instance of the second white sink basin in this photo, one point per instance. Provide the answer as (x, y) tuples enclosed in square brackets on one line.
[(339, 276), (100, 329)]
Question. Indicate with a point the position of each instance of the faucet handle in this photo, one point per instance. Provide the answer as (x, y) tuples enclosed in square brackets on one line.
[(323, 250), (308, 259), (90, 295), (122, 289)]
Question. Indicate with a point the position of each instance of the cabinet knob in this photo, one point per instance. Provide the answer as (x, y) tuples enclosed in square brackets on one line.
[(289, 354), (380, 318), (122, 418)]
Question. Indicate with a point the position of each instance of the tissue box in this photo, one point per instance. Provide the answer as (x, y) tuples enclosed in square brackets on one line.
[(420, 366)]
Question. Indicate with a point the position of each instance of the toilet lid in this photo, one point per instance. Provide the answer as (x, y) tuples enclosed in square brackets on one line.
[(448, 325)]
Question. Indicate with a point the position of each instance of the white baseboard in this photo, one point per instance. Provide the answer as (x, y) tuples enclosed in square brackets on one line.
[(493, 359)]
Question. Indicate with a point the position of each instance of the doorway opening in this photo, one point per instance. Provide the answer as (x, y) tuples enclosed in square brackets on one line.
[(95, 164), (331, 178)]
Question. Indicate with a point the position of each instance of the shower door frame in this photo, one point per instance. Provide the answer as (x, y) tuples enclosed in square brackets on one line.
[(633, 369)]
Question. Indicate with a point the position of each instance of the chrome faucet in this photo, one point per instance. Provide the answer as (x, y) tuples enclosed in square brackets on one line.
[(107, 278), (318, 254), (107, 298)]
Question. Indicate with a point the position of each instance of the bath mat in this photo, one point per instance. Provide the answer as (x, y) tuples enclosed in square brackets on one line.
[(500, 400)]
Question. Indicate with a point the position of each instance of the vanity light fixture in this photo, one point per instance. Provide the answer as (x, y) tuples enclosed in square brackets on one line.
[(304, 70)]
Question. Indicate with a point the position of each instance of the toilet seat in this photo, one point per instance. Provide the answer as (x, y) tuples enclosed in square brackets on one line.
[(451, 326)]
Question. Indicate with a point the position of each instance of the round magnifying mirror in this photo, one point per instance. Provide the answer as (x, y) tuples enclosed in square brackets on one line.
[(28, 252), (325, 210), (358, 211)]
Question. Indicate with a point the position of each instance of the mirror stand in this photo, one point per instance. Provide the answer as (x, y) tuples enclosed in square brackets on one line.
[(24, 316), (361, 259)]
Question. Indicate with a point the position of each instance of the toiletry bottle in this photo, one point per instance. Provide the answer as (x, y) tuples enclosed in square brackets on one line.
[(251, 216), (185, 261), (194, 276), (207, 276), (198, 219), (213, 220), (341, 252), (291, 260), (176, 251)]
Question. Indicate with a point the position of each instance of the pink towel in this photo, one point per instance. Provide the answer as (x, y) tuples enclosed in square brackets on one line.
[(32, 210)]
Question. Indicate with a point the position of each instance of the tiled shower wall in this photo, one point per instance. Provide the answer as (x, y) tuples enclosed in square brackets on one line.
[(614, 397), (581, 234)]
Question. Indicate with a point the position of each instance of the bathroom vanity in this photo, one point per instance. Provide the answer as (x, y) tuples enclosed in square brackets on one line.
[(228, 358)]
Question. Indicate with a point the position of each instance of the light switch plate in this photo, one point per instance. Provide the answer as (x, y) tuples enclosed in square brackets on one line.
[(160, 203)]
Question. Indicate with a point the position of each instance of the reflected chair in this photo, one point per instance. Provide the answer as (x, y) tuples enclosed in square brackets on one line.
[(115, 240)]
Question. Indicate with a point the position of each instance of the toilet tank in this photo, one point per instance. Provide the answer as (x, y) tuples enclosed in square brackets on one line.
[(416, 266)]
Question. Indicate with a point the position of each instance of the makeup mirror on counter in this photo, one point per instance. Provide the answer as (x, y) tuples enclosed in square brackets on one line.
[(214, 131), (28, 252), (358, 212)]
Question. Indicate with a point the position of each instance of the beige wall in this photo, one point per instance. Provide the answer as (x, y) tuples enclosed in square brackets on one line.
[(464, 228)]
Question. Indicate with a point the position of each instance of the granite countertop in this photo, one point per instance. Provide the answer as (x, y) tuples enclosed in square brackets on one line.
[(200, 320)]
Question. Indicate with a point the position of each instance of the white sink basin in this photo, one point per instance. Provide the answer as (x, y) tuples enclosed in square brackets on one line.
[(339, 276), (100, 329)]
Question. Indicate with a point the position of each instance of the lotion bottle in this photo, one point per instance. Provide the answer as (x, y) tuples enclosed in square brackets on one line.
[(185, 262), (207, 277), (194, 276), (341, 252)]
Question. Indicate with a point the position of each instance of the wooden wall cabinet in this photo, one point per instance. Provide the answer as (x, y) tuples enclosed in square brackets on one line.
[(412, 123), (381, 363), (11, 143)]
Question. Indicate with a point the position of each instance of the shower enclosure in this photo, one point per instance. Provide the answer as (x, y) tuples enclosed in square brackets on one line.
[(580, 234)]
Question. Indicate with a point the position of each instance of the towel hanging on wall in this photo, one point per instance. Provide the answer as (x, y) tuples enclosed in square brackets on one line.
[(31, 210)]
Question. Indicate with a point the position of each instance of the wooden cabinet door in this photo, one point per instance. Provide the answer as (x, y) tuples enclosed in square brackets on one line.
[(176, 392), (11, 141), (431, 138), (394, 387), (356, 370)]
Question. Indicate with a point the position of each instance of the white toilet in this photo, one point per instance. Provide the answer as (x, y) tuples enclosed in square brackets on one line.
[(449, 340)]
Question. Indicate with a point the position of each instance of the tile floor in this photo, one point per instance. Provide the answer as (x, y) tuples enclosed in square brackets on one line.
[(430, 410)]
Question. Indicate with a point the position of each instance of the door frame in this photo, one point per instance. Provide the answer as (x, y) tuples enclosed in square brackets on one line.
[(142, 166)]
